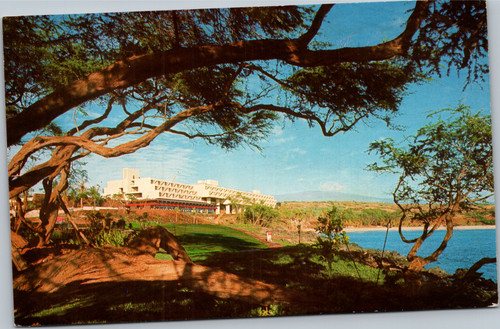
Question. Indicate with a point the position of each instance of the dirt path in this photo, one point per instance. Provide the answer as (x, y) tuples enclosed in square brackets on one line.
[(260, 237)]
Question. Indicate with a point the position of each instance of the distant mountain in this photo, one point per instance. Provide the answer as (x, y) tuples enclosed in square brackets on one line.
[(329, 196)]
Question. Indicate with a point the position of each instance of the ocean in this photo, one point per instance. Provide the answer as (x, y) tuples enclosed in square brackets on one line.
[(464, 248)]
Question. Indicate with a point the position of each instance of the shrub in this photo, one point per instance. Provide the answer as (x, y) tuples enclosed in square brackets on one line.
[(483, 215), (96, 224), (331, 236), (271, 310), (260, 214), (368, 216), (100, 232), (114, 238)]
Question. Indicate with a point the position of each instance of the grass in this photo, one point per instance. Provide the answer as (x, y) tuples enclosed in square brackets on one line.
[(298, 267), (200, 240), (60, 309)]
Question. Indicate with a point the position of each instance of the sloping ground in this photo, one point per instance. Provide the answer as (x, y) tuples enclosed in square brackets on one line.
[(129, 285), (294, 267), (84, 272), (355, 288), (484, 215), (203, 239), (270, 244), (95, 266)]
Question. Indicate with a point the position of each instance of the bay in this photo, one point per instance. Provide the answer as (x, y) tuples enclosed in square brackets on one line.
[(464, 248)]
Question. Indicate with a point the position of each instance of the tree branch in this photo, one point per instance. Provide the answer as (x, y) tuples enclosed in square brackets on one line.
[(67, 145), (200, 135), (474, 268), (307, 37), (308, 116), (126, 73), (88, 123), (480, 199)]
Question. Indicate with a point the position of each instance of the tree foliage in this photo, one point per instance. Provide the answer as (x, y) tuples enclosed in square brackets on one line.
[(331, 235), (260, 214), (462, 43), (225, 76), (446, 168)]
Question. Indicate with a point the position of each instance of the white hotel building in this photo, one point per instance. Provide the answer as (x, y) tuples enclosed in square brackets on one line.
[(206, 196)]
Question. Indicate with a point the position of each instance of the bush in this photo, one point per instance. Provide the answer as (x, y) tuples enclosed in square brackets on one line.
[(96, 221), (100, 230), (114, 238), (372, 217), (331, 236), (486, 216), (271, 310), (260, 214), (62, 235), (376, 216)]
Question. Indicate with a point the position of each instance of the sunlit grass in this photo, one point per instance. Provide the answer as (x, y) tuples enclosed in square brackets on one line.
[(153, 306), (200, 240), (298, 267), (61, 309)]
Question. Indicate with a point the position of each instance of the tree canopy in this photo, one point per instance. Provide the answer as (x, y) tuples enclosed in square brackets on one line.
[(447, 167), (222, 75)]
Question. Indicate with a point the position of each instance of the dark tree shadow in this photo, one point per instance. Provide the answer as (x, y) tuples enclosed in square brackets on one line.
[(287, 267), (218, 241), (119, 302)]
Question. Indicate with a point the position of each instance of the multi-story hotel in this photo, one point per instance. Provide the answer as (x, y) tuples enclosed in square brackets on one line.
[(204, 196)]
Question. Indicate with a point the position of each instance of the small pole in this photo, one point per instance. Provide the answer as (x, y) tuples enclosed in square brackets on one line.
[(383, 249), (352, 258)]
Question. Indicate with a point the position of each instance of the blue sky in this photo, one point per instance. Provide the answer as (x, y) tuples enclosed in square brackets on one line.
[(296, 158)]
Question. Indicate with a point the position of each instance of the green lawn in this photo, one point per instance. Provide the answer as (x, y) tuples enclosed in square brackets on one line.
[(352, 288), (201, 240)]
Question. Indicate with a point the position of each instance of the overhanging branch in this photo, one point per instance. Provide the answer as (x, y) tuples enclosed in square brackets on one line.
[(126, 73), (307, 37)]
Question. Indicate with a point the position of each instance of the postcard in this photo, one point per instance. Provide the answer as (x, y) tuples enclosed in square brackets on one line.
[(218, 162)]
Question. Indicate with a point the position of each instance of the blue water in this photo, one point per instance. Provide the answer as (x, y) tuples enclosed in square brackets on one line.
[(464, 248)]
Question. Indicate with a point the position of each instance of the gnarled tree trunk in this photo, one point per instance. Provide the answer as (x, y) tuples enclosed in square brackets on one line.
[(136, 262), (416, 262)]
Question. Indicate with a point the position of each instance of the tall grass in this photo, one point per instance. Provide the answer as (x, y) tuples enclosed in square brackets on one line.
[(369, 217)]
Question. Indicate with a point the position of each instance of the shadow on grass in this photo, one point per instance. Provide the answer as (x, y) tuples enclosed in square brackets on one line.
[(119, 302), (276, 266), (296, 267), (218, 242), (293, 267), (138, 301)]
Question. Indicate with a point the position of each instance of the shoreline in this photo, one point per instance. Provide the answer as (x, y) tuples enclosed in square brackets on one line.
[(417, 228)]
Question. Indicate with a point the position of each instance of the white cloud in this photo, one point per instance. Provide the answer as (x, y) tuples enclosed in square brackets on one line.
[(331, 186), (283, 140), (298, 151), (277, 130), (159, 162)]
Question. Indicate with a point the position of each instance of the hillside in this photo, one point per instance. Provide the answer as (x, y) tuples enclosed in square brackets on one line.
[(369, 214), (329, 196)]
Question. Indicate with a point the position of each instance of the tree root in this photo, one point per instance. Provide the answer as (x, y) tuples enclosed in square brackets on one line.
[(472, 271), (136, 262)]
